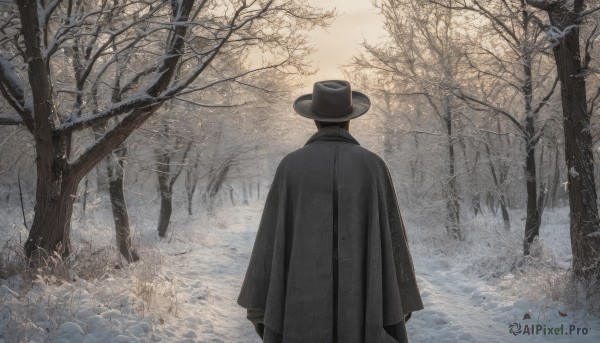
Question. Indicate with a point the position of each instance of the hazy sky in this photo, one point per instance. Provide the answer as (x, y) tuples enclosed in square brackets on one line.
[(357, 20)]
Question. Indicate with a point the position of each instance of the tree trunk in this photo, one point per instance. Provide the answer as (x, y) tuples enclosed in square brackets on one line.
[(57, 182), (166, 205), (452, 204), (166, 209), (191, 182), (86, 188), (497, 183), (578, 143), (50, 230), (244, 193), (115, 171), (554, 184), (471, 170), (532, 222), (57, 177)]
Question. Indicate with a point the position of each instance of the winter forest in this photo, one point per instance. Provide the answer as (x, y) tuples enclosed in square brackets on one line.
[(139, 140)]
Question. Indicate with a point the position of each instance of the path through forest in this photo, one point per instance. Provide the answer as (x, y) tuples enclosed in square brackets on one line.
[(458, 307)]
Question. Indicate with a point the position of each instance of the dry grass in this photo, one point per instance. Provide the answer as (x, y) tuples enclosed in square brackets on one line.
[(50, 295)]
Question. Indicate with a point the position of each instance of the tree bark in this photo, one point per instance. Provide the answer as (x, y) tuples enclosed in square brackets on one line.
[(497, 183), (166, 209), (163, 161), (532, 221), (191, 182), (57, 177), (50, 230), (86, 187), (578, 140), (56, 180), (554, 184), (452, 203), (115, 171)]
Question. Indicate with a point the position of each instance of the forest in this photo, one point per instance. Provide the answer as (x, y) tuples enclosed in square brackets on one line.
[(139, 139)]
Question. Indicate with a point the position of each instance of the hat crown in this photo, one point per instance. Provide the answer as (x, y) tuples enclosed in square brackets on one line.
[(332, 101), (332, 98)]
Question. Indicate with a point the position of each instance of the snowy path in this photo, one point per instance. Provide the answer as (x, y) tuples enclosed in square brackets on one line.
[(462, 308), (458, 307), (210, 274)]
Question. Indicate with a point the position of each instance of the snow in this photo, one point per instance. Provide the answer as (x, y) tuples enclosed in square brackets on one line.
[(573, 172), (186, 290), (12, 79), (555, 34), (595, 234)]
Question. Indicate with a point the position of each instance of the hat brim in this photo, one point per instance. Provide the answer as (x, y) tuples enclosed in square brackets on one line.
[(360, 106)]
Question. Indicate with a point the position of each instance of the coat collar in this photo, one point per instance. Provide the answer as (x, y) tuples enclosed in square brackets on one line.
[(332, 133)]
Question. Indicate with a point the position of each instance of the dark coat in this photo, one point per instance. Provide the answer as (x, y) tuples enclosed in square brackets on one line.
[(331, 249)]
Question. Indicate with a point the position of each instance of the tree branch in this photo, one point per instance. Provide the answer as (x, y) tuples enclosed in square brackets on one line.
[(466, 97), (114, 137), (547, 97), (7, 119), (545, 5), (588, 12), (13, 90), (136, 101)]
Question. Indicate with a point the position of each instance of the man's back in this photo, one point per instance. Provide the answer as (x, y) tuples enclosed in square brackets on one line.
[(331, 261)]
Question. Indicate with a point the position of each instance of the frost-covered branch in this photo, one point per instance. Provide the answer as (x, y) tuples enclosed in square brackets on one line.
[(133, 102), (470, 98), (477, 7), (7, 119), (13, 89), (14, 86), (232, 28), (115, 136), (198, 104), (544, 100)]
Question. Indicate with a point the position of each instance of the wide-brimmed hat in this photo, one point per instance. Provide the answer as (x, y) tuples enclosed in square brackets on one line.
[(332, 101)]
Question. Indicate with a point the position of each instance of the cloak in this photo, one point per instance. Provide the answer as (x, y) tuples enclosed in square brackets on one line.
[(331, 261)]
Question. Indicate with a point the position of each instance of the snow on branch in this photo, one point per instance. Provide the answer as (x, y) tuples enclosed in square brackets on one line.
[(470, 98), (13, 83), (133, 102), (13, 90), (232, 28), (44, 13), (7, 119), (555, 35)]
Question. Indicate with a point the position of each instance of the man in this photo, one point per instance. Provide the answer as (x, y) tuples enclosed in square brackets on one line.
[(330, 261)]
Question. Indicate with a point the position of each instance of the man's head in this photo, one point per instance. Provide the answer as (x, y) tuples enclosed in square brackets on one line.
[(343, 124), (332, 102)]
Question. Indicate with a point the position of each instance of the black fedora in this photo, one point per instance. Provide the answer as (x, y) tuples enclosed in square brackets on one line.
[(332, 101)]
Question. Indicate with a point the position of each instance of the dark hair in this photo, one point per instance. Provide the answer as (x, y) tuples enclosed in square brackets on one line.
[(343, 124)]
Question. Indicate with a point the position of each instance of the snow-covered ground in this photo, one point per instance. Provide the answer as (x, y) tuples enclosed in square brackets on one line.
[(186, 289)]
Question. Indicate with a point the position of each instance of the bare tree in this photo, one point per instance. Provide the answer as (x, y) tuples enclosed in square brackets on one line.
[(423, 51), (167, 179), (509, 65), (565, 20), (169, 35)]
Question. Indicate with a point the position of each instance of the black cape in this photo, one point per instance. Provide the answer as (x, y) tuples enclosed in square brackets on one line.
[(331, 261)]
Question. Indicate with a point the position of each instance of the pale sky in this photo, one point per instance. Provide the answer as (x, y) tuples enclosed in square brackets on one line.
[(357, 20)]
